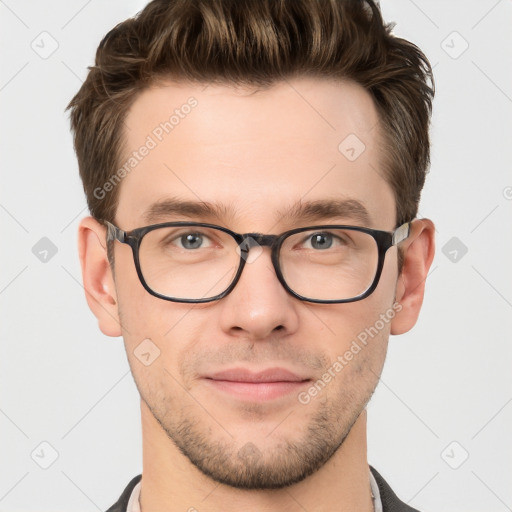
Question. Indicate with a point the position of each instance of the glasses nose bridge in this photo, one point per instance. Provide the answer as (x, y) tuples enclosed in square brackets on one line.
[(257, 239)]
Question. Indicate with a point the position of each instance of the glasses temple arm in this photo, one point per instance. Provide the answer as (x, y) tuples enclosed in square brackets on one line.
[(401, 233), (114, 233)]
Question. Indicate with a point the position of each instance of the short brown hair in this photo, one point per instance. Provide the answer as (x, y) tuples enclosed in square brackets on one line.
[(256, 43)]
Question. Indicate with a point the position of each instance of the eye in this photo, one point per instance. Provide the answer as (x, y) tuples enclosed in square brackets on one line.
[(323, 241), (191, 240)]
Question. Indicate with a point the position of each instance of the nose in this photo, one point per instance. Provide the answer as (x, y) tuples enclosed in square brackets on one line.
[(259, 307)]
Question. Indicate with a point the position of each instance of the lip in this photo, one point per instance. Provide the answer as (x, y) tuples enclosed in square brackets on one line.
[(267, 375), (263, 385)]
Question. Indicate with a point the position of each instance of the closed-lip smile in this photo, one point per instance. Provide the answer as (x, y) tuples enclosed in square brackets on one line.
[(256, 386)]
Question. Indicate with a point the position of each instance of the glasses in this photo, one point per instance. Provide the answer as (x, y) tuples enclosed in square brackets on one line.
[(196, 262)]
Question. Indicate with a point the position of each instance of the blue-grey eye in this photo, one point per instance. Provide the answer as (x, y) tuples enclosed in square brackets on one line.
[(321, 240), (191, 240)]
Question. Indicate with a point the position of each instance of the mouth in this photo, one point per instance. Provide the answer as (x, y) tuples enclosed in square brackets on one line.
[(264, 385)]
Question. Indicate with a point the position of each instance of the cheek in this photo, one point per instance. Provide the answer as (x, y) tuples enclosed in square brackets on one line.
[(388, 279), (157, 333), (356, 334), (142, 315)]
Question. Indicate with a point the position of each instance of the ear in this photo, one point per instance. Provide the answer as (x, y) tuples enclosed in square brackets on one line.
[(97, 276), (418, 252)]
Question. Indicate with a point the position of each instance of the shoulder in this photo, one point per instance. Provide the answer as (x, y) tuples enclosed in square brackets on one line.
[(122, 502), (390, 501)]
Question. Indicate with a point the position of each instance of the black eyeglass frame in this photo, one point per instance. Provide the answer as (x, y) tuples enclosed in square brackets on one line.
[(384, 240)]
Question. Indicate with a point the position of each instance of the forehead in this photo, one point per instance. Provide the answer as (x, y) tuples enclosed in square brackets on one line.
[(253, 152)]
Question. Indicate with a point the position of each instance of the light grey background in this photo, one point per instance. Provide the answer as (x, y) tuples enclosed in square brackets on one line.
[(446, 391)]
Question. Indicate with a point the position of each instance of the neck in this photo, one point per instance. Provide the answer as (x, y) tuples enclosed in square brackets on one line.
[(171, 482)]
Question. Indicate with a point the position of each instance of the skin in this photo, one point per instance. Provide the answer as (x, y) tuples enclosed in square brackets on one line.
[(203, 448)]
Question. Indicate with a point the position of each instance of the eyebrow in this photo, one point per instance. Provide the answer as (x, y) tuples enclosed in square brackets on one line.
[(308, 211)]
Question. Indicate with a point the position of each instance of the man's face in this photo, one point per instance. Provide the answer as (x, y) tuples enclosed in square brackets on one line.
[(256, 154)]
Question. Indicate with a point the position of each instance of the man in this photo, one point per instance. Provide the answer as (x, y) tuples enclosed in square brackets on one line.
[(253, 172)]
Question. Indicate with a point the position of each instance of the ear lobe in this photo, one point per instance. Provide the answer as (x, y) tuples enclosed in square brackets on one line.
[(419, 251), (97, 276)]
